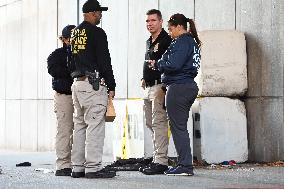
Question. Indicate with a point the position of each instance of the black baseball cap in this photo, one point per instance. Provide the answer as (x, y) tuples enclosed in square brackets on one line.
[(93, 5), (67, 30)]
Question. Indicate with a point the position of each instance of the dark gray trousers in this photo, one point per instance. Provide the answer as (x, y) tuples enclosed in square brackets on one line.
[(179, 99)]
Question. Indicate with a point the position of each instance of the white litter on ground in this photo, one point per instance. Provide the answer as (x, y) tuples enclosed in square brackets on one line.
[(44, 170)]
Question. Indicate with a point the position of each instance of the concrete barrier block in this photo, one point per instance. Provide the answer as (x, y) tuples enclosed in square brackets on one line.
[(220, 130), (135, 127), (148, 142), (117, 125), (108, 142), (128, 139), (223, 69)]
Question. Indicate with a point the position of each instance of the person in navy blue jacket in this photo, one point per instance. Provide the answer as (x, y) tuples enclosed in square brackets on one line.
[(179, 66)]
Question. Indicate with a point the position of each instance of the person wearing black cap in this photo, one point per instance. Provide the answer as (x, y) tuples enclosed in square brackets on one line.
[(91, 64), (63, 106)]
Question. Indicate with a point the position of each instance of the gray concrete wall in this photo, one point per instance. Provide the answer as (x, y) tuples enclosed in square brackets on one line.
[(27, 120), (28, 34), (262, 23)]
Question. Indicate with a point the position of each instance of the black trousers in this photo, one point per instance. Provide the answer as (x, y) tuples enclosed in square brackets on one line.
[(179, 99)]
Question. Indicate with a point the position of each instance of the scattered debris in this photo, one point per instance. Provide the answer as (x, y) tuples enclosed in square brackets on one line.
[(24, 164), (199, 163), (225, 164), (245, 169), (232, 163), (274, 164), (213, 166), (44, 170)]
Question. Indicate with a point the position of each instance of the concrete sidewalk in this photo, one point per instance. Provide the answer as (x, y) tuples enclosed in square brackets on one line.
[(246, 176)]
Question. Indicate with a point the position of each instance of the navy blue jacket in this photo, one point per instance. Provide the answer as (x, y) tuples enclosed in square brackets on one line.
[(57, 68), (181, 61)]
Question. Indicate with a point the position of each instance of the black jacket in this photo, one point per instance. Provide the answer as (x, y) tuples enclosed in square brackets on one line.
[(90, 52), (57, 68), (154, 51)]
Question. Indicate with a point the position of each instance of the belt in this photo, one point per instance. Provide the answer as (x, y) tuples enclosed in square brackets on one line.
[(82, 78), (152, 83)]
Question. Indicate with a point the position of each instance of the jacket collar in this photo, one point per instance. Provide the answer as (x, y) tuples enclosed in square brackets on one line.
[(162, 34)]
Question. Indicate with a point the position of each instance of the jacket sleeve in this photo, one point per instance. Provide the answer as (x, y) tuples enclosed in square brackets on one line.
[(174, 58), (55, 65), (104, 60)]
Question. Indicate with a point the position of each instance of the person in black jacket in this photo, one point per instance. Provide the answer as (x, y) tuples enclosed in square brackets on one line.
[(155, 113), (91, 64), (63, 106), (179, 66)]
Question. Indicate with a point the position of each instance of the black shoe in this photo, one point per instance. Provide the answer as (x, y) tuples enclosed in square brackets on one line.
[(142, 168), (101, 174), (110, 168), (155, 169), (63, 172), (24, 164), (146, 166), (77, 174)]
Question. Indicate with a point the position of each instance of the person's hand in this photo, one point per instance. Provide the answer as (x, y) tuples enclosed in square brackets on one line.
[(103, 82), (143, 83), (111, 94), (151, 64)]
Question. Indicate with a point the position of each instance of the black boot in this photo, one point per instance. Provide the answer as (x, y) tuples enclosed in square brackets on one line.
[(155, 169), (101, 174), (63, 172)]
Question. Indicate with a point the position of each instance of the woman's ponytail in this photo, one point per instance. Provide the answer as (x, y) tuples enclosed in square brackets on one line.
[(193, 32)]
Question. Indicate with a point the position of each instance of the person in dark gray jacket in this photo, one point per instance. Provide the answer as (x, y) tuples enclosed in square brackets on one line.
[(179, 66)]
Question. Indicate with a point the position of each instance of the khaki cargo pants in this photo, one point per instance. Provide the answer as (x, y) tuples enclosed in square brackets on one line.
[(156, 121), (63, 108), (89, 126)]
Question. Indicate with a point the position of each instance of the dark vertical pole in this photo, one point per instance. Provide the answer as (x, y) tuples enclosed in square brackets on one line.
[(235, 14), (78, 12)]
